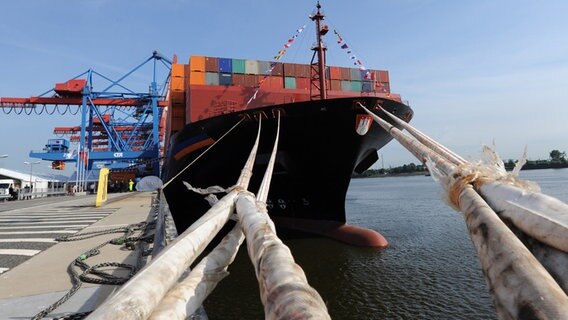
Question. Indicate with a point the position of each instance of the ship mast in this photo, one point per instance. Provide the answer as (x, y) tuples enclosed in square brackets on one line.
[(318, 68)]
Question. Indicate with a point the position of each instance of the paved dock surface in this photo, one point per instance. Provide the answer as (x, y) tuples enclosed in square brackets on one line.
[(33, 265)]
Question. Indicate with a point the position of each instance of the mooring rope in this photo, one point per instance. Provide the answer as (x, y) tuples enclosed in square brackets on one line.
[(204, 152)]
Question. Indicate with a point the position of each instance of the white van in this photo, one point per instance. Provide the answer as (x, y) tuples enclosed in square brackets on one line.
[(5, 185)]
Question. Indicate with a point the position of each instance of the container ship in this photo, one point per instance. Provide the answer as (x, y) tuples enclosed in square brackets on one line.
[(325, 136)]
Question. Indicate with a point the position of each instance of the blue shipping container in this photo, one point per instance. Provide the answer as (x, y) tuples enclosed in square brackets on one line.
[(367, 86), (225, 65), (225, 79)]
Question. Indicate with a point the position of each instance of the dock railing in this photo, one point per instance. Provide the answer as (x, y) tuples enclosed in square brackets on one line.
[(41, 193)]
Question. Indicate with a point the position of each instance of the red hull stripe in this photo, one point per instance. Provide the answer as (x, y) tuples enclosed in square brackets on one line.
[(189, 149)]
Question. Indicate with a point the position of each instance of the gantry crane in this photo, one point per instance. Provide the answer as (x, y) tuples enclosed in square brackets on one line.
[(120, 127)]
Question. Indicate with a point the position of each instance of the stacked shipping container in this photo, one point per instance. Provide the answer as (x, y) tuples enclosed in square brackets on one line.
[(249, 73), (210, 86)]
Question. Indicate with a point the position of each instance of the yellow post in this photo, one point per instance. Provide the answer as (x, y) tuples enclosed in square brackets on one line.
[(102, 189)]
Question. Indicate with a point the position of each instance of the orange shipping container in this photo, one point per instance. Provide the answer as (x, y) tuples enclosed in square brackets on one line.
[(178, 70), (196, 77), (197, 63), (178, 84)]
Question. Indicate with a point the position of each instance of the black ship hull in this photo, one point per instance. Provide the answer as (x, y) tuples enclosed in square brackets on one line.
[(318, 152)]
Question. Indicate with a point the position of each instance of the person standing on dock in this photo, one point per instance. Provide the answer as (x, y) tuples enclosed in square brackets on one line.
[(130, 185)]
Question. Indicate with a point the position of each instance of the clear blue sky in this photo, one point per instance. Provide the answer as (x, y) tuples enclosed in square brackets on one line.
[(473, 71)]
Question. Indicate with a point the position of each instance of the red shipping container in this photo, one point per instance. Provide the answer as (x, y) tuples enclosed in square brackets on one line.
[(302, 71), (289, 70), (239, 79), (345, 74), (278, 69), (335, 85), (251, 80), (382, 76), (274, 82), (211, 64), (303, 83), (335, 73), (186, 71)]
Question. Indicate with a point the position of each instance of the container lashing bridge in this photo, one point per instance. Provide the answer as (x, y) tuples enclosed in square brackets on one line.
[(120, 127)]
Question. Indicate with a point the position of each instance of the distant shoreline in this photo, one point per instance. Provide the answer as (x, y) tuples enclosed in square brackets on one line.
[(385, 175), (426, 173)]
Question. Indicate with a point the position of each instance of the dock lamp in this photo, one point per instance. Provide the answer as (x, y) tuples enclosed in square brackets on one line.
[(31, 164)]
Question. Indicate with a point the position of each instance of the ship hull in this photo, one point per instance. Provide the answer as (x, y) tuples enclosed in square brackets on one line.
[(318, 151)]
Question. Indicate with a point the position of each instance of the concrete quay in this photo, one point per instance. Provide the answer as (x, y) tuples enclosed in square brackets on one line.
[(41, 280)]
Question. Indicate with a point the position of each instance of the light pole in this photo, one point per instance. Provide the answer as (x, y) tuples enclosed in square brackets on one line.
[(31, 164)]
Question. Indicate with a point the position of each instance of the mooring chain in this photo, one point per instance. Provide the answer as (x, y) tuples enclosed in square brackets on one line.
[(101, 277)]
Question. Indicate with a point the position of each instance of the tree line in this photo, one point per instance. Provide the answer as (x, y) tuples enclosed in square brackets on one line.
[(557, 159)]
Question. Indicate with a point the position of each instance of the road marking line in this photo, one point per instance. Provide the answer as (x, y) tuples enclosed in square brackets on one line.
[(19, 252), (22, 223), (41, 219), (37, 232), (52, 215), (28, 240), (2, 270), (41, 227)]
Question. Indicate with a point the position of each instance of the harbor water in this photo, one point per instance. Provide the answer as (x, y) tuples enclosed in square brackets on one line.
[(429, 271)]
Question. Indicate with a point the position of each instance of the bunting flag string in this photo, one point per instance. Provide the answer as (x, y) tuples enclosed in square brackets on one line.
[(278, 56), (357, 62)]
